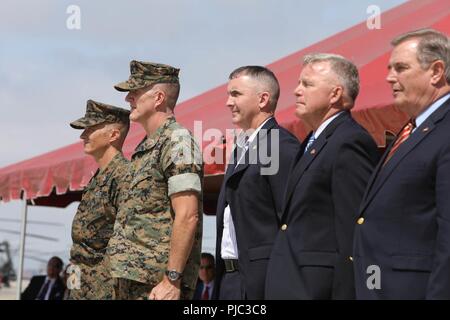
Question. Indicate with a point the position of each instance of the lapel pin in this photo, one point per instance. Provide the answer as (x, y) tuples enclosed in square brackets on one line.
[(425, 129), (313, 151)]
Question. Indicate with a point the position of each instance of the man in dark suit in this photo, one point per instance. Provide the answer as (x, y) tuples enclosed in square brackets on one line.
[(206, 275), (402, 236), (249, 204), (49, 287), (311, 255)]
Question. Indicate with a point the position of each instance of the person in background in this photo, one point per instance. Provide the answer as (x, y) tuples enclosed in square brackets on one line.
[(46, 287), (206, 275)]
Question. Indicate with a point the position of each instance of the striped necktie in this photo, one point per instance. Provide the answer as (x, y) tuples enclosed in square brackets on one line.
[(402, 137), (310, 142)]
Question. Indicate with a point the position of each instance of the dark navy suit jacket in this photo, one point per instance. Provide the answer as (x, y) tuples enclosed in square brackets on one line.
[(35, 286), (311, 255), (255, 201), (406, 211)]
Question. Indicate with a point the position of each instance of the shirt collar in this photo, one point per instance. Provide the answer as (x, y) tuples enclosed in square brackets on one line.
[(252, 137), (209, 285), (427, 112), (111, 166), (324, 124), (149, 141), (51, 280)]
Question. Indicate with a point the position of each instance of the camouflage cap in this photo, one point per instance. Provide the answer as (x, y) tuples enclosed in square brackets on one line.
[(97, 113), (147, 73)]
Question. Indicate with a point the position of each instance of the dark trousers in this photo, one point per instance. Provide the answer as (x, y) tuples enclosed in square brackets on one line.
[(231, 287)]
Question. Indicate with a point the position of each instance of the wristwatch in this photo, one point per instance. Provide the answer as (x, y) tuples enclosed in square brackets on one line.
[(173, 275)]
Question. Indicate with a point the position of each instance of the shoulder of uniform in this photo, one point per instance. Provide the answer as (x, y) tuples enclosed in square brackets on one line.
[(176, 127), (176, 134)]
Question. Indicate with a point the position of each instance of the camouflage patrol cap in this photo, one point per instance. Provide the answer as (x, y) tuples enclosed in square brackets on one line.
[(97, 113), (147, 73)]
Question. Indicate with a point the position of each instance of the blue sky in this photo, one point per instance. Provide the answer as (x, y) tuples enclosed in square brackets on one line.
[(48, 72)]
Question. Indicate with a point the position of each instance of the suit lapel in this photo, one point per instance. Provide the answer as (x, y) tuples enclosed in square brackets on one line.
[(303, 164), (293, 176), (231, 165), (376, 171), (382, 173), (230, 169), (307, 158), (222, 196)]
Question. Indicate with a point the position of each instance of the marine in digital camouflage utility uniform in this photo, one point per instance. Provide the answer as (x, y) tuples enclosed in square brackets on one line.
[(139, 249), (165, 163), (93, 227), (93, 223)]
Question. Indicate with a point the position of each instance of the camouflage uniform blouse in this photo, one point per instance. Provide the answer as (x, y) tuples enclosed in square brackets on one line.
[(93, 223), (163, 164)]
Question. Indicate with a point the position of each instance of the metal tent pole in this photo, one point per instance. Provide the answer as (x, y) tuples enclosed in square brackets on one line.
[(22, 246)]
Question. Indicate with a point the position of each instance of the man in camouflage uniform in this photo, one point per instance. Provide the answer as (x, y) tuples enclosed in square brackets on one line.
[(155, 249), (105, 128)]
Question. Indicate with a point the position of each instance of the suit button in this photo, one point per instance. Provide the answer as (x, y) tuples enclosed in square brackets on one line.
[(350, 258), (360, 220), (284, 227)]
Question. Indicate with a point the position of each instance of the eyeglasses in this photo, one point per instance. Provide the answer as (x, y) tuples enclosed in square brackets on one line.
[(207, 267)]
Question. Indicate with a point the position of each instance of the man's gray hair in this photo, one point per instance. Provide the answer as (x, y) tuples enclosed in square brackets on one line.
[(345, 70), (433, 46), (264, 76)]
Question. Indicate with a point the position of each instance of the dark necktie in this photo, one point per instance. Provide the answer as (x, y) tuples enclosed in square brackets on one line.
[(310, 142), (43, 291), (402, 137), (205, 295)]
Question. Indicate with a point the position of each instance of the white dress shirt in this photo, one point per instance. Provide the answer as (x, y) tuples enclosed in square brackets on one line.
[(434, 106), (228, 249), (325, 124)]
